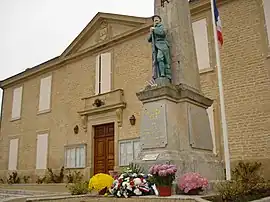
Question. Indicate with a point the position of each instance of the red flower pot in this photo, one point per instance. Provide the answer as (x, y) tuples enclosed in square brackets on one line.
[(164, 190)]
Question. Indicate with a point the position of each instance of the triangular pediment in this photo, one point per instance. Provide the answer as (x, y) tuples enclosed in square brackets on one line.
[(103, 27)]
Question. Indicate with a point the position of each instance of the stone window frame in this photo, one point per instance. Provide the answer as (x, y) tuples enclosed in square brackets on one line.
[(119, 149), (21, 102), (75, 146), (264, 31), (98, 61), (15, 137), (39, 112), (206, 14), (43, 132)]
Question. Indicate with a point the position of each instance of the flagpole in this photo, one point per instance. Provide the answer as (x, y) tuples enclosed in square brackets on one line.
[(221, 97)]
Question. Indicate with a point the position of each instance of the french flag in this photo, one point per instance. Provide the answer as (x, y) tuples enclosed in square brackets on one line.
[(218, 23)]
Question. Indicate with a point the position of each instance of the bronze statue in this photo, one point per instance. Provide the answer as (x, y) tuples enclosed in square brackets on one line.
[(160, 50)]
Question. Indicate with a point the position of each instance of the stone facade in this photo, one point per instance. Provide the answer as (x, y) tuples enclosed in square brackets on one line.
[(246, 79)]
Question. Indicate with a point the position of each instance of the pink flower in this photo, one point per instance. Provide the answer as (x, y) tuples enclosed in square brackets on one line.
[(164, 167), (191, 181), (162, 173), (170, 171)]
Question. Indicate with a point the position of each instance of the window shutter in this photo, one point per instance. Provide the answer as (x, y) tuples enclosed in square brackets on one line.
[(45, 94), (42, 151), (201, 43), (13, 154), (16, 103), (266, 8), (97, 81), (106, 72)]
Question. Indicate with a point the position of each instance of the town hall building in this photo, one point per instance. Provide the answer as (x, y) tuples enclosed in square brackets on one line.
[(80, 109)]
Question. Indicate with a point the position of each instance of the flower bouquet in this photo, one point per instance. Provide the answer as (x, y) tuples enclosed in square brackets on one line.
[(192, 183), (100, 182), (132, 184), (164, 175)]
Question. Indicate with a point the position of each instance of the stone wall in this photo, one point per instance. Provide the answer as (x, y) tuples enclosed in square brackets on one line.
[(246, 81)]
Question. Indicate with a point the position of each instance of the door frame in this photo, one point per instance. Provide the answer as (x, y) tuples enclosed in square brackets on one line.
[(100, 119), (105, 138)]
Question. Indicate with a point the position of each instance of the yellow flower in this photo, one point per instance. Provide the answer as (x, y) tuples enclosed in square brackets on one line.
[(100, 181)]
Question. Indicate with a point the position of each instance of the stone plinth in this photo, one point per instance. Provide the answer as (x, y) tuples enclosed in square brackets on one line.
[(175, 129)]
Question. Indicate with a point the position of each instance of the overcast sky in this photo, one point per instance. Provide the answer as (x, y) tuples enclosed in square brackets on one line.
[(34, 31)]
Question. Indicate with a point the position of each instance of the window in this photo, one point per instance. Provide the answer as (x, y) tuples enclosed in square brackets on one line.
[(128, 151), (16, 103), (13, 154), (201, 43), (266, 7), (45, 94), (75, 156), (210, 112), (103, 73), (42, 151)]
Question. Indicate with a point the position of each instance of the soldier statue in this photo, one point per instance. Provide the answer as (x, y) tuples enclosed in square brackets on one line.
[(160, 51)]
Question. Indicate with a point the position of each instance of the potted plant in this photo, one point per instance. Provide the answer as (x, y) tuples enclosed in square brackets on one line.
[(163, 175), (192, 183)]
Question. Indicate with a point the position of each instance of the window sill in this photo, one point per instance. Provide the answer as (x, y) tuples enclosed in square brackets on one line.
[(72, 168), (203, 71), (44, 111), (15, 119)]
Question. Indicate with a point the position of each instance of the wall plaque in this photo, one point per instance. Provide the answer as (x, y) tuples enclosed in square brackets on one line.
[(154, 126), (150, 157)]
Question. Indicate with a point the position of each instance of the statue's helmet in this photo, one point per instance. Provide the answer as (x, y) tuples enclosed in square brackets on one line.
[(156, 16)]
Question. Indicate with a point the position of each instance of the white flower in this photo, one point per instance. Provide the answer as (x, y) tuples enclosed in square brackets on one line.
[(134, 175), (137, 192), (137, 181)]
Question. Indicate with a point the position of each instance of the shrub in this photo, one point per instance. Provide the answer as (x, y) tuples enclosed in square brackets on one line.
[(13, 178), (247, 184), (247, 172), (73, 177), (40, 179), (26, 179), (2, 181), (79, 188), (55, 178), (192, 181)]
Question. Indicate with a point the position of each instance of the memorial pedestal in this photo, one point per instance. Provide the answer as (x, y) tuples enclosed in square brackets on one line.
[(175, 129)]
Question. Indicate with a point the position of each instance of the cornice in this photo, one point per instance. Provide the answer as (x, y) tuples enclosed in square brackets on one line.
[(200, 6)]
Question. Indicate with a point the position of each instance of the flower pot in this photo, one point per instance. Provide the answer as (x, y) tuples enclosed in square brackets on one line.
[(195, 191), (103, 191), (164, 190)]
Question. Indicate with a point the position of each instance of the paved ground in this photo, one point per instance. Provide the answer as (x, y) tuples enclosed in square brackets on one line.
[(9, 194)]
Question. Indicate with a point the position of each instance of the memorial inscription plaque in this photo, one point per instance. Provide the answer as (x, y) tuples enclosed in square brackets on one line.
[(154, 126)]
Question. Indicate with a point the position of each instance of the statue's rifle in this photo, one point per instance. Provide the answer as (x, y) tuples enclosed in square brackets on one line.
[(155, 64)]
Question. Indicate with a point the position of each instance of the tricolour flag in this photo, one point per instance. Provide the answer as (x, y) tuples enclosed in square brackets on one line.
[(218, 23)]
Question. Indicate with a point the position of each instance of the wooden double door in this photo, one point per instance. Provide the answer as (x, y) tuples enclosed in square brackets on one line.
[(104, 148)]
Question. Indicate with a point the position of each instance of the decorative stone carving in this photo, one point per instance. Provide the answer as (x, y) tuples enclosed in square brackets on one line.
[(119, 115), (103, 32), (84, 120)]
